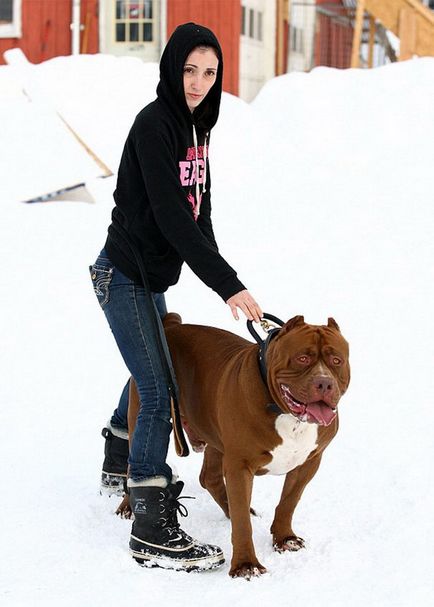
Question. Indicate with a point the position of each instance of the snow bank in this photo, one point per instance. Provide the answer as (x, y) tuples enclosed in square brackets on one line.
[(323, 201)]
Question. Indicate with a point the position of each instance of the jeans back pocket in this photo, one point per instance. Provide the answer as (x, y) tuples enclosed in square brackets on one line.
[(101, 278)]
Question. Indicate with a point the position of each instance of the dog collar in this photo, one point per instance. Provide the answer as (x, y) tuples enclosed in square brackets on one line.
[(273, 408), (271, 331), (263, 347)]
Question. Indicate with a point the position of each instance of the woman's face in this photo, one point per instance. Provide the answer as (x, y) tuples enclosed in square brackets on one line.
[(200, 72)]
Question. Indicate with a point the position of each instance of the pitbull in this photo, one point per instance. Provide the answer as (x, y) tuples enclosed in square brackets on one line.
[(250, 427)]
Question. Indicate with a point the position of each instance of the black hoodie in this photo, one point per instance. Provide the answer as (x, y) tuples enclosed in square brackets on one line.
[(156, 187)]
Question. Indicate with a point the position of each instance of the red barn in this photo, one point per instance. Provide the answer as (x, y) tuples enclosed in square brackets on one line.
[(334, 33), (45, 28), (42, 28)]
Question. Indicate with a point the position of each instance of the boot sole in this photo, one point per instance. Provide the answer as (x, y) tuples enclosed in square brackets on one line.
[(151, 560)]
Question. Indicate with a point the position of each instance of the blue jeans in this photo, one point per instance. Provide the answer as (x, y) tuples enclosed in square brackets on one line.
[(123, 303)]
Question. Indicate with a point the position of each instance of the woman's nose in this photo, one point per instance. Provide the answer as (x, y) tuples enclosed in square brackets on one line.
[(195, 82)]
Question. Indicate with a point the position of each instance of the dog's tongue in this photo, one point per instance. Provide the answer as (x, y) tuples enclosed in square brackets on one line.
[(321, 413)]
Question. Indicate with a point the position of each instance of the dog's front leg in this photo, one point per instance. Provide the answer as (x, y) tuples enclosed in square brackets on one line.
[(239, 483), (283, 536)]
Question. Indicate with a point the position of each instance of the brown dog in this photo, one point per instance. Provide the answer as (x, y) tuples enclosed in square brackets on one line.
[(229, 407)]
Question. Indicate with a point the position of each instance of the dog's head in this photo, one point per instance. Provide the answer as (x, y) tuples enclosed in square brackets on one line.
[(308, 369)]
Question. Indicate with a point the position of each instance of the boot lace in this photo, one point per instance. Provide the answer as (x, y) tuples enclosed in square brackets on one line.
[(171, 508)]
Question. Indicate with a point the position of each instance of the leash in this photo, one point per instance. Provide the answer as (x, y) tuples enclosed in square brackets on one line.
[(272, 330), (181, 445)]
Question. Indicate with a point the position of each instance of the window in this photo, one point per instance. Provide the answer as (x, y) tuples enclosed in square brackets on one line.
[(134, 21), (10, 18), (296, 35), (259, 36), (251, 23), (243, 20), (6, 11)]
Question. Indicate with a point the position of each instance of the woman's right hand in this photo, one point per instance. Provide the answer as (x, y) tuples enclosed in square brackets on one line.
[(245, 302)]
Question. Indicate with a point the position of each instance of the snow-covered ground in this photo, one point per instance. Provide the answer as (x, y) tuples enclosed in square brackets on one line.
[(323, 200)]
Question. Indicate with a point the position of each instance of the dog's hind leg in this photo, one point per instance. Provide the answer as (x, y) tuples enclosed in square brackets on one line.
[(124, 508), (211, 477)]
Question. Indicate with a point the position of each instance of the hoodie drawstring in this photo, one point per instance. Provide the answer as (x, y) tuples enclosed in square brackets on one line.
[(198, 192)]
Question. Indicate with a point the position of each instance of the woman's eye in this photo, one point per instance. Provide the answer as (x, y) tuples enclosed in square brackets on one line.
[(188, 70), (210, 74)]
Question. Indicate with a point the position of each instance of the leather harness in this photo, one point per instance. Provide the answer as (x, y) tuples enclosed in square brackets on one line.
[(263, 347)]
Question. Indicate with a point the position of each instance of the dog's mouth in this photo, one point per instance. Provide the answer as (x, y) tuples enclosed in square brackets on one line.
[(317, 412)]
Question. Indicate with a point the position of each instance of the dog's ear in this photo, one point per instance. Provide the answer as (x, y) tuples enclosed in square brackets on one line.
[(297, 321), (333, 324)]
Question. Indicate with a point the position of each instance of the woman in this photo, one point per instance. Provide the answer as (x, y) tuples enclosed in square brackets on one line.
[(162, 201)]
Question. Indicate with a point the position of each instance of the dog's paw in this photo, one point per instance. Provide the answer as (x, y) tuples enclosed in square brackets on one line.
[(291, 544), (247, 570), (124, 509), (124, 512)]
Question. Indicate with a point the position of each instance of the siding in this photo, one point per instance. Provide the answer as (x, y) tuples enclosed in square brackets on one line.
[(223, 17), (46, 29)]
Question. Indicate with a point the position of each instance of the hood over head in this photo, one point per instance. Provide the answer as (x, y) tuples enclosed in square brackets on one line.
[(170, 89)]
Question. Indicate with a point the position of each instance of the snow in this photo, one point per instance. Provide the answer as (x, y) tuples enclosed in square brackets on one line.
[(42, 125), (323, 201)]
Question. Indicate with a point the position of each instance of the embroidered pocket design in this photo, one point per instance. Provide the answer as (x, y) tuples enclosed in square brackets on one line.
[(101, 279)]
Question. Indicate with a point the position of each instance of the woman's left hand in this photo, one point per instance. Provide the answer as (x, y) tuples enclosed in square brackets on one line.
[(247, 305)]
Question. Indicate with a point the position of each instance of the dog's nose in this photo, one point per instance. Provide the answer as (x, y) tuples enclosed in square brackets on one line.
[(323, 384)]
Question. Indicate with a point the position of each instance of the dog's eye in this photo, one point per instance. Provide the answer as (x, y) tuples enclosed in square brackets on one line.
[(336, 361), (304, 360)]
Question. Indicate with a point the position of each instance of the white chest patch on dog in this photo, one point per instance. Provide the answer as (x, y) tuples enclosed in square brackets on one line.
[(299, 440)]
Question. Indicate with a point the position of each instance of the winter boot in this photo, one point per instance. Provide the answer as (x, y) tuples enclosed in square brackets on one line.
[(156, 537), (114, 468)]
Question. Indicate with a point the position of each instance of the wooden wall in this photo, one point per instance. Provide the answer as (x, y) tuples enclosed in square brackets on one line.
[(223, 17), (46, 29), (89, 39), (333, 40)]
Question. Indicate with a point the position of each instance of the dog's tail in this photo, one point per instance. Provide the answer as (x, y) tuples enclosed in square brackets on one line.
[(171, 320)]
